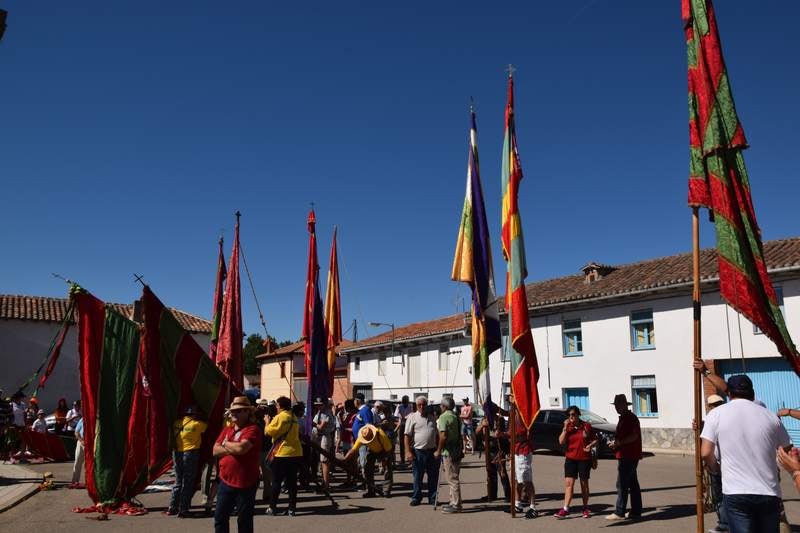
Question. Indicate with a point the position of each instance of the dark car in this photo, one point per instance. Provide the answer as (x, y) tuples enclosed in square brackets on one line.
[(549, 422)]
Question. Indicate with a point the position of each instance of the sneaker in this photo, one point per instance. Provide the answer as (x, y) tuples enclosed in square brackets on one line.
[(633, 516), (531, 513), (586, 512), (413, 503), (519, 509), (450, 509), (562, 513), (171, 512), (718, 529), (613, 517), (270, 511), (290, 512)]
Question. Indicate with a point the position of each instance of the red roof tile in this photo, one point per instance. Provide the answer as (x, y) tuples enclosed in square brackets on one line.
[(621, 280), (47, 309), (296, 348)]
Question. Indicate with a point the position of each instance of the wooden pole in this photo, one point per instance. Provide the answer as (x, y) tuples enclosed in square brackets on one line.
[(489, 473), (698, 379), (512, 427)]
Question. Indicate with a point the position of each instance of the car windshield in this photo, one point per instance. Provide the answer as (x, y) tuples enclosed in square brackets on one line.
[(588, 416)]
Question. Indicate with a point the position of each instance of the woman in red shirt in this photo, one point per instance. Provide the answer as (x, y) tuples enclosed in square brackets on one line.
[(579, 438)]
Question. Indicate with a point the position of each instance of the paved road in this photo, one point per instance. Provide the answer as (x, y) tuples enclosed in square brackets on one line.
[(667, 483)]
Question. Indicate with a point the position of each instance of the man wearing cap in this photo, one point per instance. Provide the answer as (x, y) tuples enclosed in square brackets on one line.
[(627, 446), (323, 430), (363, 417), (748, 436), (238, 448), (379, 449), (421, 441), (39, 425), (188, 431)]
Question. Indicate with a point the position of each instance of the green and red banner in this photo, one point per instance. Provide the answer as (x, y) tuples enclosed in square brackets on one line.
[(524, 367), (136, 379), (718, 180)]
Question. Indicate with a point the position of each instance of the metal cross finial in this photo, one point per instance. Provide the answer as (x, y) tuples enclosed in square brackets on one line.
[(62, 278), (139, 278), (511, 69)]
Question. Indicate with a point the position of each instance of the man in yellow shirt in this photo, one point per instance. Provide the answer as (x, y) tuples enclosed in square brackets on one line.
[(188, 431), (379, 448), (285, 455)]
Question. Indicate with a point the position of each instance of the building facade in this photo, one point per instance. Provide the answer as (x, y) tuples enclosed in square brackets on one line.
[(609, 330)]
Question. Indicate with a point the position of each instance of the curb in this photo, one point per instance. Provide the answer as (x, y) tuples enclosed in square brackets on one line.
[(668, 451), (15, 494)]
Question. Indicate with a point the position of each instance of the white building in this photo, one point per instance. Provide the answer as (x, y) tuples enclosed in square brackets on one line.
[(609, 330), (28, 326)]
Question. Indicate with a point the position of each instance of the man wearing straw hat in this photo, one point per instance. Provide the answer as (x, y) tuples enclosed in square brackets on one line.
[(627, 446), (238, 449), (379, 449)]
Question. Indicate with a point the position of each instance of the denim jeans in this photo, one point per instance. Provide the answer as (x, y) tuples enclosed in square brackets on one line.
[(752, 513), (243, 499), (425, 464), (717, 498), (185, 472), (628, 483)]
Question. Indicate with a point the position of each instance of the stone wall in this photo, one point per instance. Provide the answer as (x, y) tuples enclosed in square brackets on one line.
[(676, 439)]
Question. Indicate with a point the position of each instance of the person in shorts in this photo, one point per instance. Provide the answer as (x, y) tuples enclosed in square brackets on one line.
[(579, 439), (323, 430), (523, 468)]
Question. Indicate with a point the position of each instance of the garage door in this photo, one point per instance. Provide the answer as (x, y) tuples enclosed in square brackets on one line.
[(775, 384)]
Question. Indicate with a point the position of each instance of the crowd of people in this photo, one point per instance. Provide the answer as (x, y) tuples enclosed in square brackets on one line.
[(283, 447)]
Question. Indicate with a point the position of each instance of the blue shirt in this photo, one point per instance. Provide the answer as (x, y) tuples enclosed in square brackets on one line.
[(363, 418), (79, 427)]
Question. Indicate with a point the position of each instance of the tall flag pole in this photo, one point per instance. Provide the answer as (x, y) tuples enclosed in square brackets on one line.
[(219, 295), (473, 265), (333, 311), (229, 347), (718, 181), (524, 367), (314, 338)]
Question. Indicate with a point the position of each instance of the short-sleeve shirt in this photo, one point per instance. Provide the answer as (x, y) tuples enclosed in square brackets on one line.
[(380, 444), (466, 414), (327, 418), (629, 425), (72, 418), (347, 428), (188, 433), (578, 437), (39, 426), (19, 413), (448, 423), (421, 430), (79, 428), (363, 417), (401, 412), (241, 471), (747, 436)]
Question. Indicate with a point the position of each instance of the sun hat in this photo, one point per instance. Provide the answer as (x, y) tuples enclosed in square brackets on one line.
[(621, 398), (40, 412), (239, 403), (367, 433), (715, 399)]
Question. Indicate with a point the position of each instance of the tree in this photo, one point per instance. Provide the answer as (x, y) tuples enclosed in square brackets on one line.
[(253, 346)]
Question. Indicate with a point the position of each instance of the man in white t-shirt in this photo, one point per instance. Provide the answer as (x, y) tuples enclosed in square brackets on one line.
[(748, 436)]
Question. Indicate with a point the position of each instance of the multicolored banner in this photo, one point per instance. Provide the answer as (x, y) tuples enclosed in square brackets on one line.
[(314, 338), (333, 311), (473, 265), (524, 367), (718, 180)]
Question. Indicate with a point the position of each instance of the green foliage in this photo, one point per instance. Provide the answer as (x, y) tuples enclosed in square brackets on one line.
[(253, 346)]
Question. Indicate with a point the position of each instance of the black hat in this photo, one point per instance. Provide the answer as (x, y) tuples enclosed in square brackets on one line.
[(740, 384), (620, 398), (360, 396)]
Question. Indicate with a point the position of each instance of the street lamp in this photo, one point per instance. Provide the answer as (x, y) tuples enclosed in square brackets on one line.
[(391, 325)]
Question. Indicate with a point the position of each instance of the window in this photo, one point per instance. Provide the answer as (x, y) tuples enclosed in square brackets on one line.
[(382, 365), (573, 339), (643, 392), (444, 357), (283, 369), (643, 335), (504, 353), (779, 297), (358, 363)]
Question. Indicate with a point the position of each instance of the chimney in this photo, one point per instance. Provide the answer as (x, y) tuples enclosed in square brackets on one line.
[(595, 271)]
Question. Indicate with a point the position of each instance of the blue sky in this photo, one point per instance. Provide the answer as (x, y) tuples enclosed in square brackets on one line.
[(131, 132)]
